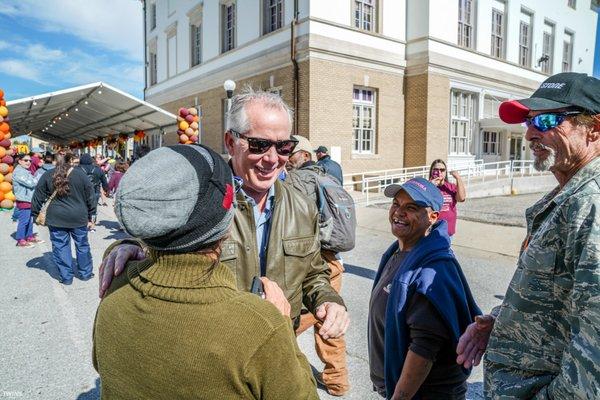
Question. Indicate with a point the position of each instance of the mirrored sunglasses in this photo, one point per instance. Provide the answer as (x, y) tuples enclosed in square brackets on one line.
[(545, 122)]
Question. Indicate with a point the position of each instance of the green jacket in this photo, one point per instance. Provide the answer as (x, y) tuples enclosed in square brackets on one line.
[(293, 256), (546, 339), (167, 329)]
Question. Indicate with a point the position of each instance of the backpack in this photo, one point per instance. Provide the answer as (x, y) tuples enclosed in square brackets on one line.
[(92, 176), (337, 215)]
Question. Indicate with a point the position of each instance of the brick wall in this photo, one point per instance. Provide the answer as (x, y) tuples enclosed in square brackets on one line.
[(427, 119), (330, 113)]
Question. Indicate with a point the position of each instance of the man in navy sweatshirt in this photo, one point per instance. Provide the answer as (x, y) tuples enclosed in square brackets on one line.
[(420, 303)]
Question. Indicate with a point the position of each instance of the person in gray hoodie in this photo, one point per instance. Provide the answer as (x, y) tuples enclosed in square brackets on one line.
[(47, 166), (23, 186)]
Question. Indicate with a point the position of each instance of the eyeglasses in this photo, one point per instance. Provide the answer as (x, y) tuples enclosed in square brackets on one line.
[(261, 146), (545, 122), (439, 169), (26, 159)]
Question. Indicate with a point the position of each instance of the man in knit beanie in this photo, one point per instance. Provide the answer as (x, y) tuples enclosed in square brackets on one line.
[(175, 325)]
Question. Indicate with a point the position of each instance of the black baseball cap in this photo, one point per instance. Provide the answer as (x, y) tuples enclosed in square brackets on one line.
[(321, 149), (564, 90)]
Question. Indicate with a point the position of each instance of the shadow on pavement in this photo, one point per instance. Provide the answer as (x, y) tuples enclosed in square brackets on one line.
[(360, 271), (115, 232), (92, 394), (45, 263)]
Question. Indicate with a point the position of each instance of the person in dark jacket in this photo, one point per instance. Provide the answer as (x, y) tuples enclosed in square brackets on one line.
[(331, 167), (96, 177), (68, 216), (420, 303)]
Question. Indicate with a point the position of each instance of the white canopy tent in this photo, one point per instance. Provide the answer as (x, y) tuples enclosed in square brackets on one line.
[(86, 112)]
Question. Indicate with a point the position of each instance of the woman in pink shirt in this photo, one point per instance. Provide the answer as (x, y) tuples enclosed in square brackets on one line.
[(453, 193)]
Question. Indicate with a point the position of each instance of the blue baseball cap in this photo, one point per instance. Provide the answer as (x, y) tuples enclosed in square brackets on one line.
[(423, 192)]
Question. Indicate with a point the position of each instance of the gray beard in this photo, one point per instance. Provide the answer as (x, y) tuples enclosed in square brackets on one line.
[(545, 164)]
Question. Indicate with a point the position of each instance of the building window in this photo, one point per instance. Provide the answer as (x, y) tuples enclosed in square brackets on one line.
[(363, 121), (497, 33), (365, 12), (465, 23), (171, 55), (547, 48), (273, 15), (567, 61), (153, 68), (228, 18), (525, 39), (463, 106), (572, 3), (196, 41), (152, 16), (491, 104), (491, 143)]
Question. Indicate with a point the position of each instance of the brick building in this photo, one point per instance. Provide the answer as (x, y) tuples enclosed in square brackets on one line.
[(383, 83)]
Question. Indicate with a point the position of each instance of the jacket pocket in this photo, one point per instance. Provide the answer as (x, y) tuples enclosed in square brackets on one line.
[(297, 252)]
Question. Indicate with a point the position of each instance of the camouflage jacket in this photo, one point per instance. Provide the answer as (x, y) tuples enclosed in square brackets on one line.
[(546, 339)]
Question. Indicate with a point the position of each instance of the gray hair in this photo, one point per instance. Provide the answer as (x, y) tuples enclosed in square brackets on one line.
[(237, 118)]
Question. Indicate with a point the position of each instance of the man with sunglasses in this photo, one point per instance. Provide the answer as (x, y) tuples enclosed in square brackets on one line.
[(544, 341), (275, 234)]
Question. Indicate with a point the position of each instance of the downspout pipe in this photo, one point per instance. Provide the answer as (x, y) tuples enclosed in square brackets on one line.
[(295, 65), (145, 52)]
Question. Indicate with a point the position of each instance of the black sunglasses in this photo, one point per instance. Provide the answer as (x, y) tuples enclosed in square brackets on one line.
[(261, 146)]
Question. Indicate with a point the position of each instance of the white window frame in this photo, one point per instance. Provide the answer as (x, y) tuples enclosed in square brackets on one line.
[(273, 15), (490, 143), (196, 43), (228, 26), (548, 48), (363, 9), (466, 24), (525, 44), (172, 58), (364, 136), (567, 60), (152, 63), (498, 37), (463, 112)]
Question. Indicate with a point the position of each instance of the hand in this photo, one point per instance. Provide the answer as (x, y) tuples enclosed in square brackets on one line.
[(335, 320), (115, 262), (437, 181), (275, 296), (455, 174), (90, 225), (474, 341)]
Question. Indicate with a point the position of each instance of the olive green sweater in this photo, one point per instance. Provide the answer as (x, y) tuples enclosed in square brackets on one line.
[(168, 330)]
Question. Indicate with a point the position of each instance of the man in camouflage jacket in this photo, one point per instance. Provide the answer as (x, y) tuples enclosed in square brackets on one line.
[(544, 341)]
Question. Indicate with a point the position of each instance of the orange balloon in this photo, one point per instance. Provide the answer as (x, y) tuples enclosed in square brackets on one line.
[(2, 102), (1, 178), (1, 93), (1, 196), (5, 187), (11, 168), (2, 151), (4, 127), (8, 178), (7, 135), (10, 195), (1, 137)]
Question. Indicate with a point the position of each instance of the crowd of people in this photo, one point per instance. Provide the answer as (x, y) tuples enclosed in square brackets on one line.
[(227, 262), (67, 190)]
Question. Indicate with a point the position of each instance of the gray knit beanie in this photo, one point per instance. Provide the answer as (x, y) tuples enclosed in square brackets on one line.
[(177, 198)]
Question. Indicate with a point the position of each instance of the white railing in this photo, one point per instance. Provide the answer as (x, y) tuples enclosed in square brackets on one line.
[(478, 172)]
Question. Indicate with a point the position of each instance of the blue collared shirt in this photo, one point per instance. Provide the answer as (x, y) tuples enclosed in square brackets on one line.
[(262, 222)]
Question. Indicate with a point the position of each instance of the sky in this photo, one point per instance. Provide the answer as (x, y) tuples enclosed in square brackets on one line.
[(48, 45)]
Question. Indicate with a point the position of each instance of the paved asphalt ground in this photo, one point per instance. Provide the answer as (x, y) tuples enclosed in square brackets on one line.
[(46, 339)]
